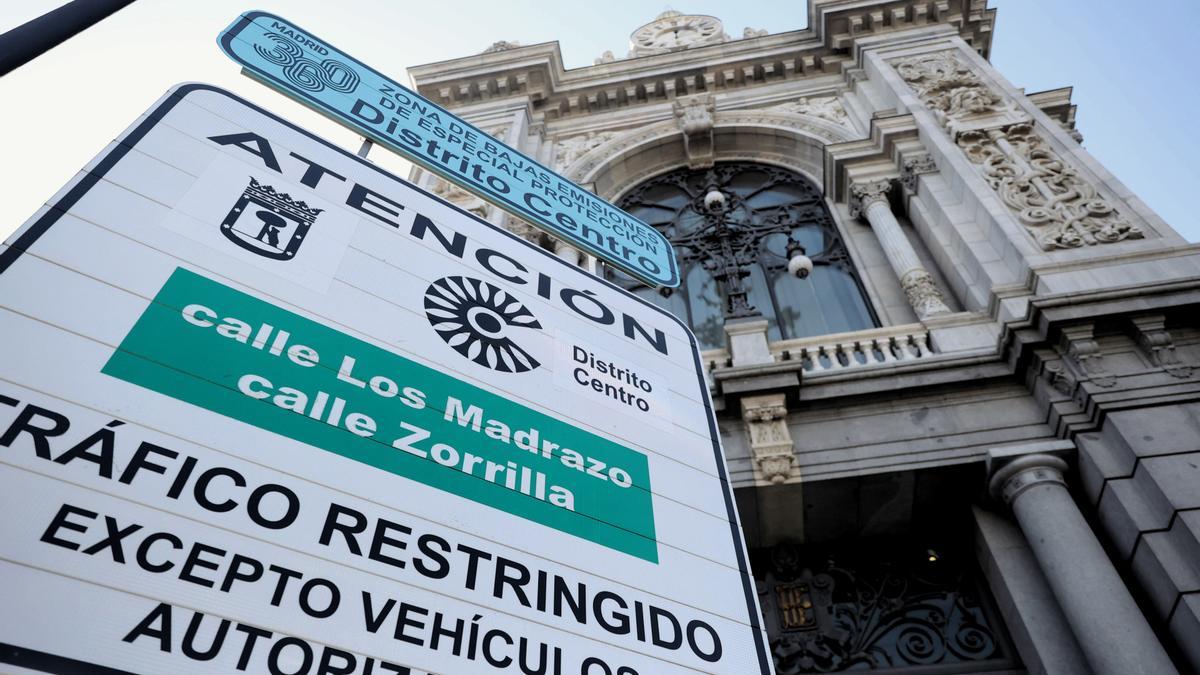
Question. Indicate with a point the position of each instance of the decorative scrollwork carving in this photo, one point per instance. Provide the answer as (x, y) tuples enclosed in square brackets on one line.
[(1056, 206), (1155, 340), (1059, 378), (569, 149), (1083, 351), (460, 198), (823, 107)]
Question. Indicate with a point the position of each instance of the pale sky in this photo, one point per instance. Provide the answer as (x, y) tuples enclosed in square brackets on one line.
[(1133, 71)]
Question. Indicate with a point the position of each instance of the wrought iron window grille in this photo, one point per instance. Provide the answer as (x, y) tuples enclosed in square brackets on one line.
[(901, 606), (735, 227)]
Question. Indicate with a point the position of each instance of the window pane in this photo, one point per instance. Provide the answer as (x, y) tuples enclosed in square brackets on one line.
[(706, 302)]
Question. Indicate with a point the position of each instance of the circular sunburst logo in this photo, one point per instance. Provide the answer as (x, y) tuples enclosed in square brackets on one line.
[(472, 316)]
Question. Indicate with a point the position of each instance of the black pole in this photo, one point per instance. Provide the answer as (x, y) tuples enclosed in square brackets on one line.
[(38, 36)]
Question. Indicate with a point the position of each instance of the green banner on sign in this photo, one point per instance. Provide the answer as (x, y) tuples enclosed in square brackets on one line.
[(202, 342)]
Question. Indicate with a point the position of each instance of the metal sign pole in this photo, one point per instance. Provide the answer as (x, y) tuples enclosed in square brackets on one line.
[(38, 36)]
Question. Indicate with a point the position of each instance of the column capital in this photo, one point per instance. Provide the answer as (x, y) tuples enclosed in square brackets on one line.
[(863, 194), (1011, 479)]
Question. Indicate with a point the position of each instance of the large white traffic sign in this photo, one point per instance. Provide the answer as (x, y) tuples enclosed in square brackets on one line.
[(269, 408)]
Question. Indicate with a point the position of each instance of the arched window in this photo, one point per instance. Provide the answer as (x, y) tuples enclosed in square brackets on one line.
[(763, 206)]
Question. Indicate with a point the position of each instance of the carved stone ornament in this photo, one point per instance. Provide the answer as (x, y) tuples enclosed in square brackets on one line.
[(923, 294), (606, 57), (821, 130), (749, 32), (1056, 206), (501, 46), (913, 167), (569, 149), (1058, 377), (1155, 340), (823, 107), (523, 229), (460, 198), (1084, 353), (955, 94), (865, 193), (771, 445), (694, 115)]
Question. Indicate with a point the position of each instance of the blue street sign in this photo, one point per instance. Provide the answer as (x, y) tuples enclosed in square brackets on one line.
[(317, 74)]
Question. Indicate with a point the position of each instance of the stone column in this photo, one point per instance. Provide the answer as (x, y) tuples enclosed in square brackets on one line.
[(568, 253), (1111, 630), (869, 200)]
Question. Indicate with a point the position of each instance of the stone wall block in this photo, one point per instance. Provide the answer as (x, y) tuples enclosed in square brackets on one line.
[(1125, 515), (1185, 626), (1170, 483), (1185, 533), (1162, 430), (1102, 457), (1165, 569)]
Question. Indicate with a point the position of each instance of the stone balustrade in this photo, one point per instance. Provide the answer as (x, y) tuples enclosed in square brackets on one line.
[(860, 349), (841, 351)]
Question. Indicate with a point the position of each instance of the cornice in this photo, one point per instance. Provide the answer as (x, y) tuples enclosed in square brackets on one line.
[(877, 156), (1048, 312), (537, 71), (1057, 104)]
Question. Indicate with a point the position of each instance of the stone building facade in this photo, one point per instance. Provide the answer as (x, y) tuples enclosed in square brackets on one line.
[(969, 441)]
